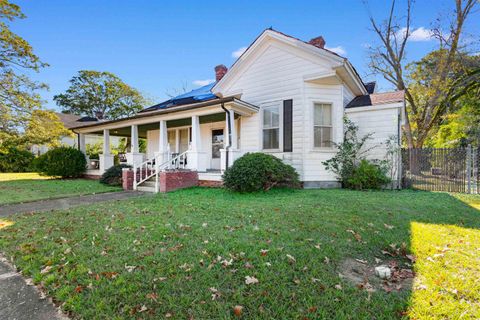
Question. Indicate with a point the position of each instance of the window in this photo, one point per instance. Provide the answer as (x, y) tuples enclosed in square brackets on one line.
[(271, 128), (322, 125)]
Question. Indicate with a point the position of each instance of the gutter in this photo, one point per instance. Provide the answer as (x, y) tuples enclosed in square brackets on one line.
[(229, 133)]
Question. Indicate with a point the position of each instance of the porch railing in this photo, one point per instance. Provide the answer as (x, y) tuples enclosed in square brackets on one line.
[(151, 168)]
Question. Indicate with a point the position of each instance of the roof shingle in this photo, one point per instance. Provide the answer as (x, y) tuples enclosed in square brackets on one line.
[(376, 99)]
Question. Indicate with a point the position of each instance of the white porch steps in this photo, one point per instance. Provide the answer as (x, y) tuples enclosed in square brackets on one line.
[(147, 186)]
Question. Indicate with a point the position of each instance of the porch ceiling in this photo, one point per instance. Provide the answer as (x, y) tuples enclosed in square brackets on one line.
[(142, 129)]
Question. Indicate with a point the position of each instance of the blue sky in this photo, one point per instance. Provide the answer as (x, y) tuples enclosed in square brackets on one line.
[(157, 46)]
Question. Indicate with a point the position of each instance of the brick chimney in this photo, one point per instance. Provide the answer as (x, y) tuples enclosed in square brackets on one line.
[(220, 71), (318, 42)]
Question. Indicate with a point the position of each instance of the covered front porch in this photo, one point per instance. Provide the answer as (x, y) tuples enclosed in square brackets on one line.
[(204, 137)]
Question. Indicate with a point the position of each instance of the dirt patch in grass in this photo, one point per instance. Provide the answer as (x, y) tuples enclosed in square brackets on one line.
[(362, 274)]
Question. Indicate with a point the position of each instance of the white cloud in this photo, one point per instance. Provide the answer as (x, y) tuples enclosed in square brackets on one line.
[(339, 50), (203, 82), (417, 35), (237, 53)]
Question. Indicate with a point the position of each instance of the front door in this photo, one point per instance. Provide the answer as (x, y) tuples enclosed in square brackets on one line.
[(217, 144)]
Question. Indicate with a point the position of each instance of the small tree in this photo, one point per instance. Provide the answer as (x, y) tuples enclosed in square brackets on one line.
[(350, 152)]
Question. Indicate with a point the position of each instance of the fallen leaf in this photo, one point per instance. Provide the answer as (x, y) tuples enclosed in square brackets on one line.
[(338, 287), (46, 269), (263, 252), (411, 257), (387, 226), (237, 310), (250, 280), (152, 296), (130, 268), (291, 258)]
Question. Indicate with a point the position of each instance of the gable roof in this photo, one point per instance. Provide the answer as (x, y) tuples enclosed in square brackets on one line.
[(198, 95), (72, 120), (270, 33), (376, 99)]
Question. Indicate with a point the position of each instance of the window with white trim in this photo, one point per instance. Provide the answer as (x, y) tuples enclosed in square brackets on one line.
[(271, 127), (322, 125)]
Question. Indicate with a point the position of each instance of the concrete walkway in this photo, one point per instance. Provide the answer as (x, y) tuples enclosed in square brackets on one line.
[(19, 301), (65, 203)]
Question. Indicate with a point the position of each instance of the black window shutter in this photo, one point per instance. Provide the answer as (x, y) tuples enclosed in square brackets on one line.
[(287, 125)]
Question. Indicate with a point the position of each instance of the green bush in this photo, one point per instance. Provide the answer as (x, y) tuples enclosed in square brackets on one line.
[(65, 162), (367, 175), (15, 160), (113, 176), (259, 171)]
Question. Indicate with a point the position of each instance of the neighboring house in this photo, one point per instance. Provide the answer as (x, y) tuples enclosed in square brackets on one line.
[(69, 121), (283, 96)]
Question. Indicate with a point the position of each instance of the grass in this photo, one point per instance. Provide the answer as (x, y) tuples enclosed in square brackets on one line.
[(185, 255), (22, 187)]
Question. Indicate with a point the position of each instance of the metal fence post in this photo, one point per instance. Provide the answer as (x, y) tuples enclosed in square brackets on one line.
[(475, 169), (469, 169)]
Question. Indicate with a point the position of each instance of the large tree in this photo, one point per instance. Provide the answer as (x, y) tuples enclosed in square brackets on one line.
[(426, 107), (19, 96), (100, 94)]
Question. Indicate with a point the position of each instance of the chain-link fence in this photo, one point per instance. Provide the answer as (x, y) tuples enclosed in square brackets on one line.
[(441, 169)]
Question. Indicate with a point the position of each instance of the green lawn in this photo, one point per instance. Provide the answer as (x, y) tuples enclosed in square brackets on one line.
[(21, 187), (186, 255)]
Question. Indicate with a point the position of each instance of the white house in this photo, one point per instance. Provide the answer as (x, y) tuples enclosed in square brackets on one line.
[(283, 96)]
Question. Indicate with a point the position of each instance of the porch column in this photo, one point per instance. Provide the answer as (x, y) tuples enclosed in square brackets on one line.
[(83, 147), (230, 140), (134, 138), (234, 142), (134, 157), (106, 158), (161, 155), (196, 143), (196, 159), (81, 143)]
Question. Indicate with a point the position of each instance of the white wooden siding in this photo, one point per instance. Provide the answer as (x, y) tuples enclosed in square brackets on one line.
[(276, 74), (381, 121)]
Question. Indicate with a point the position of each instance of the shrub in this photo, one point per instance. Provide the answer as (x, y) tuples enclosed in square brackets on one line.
[(368, 175), (113, 176), (349, 153), (259, 171), (65, 162), (15, 160)]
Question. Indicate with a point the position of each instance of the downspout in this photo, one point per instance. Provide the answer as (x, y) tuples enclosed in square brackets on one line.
[(229, 133)]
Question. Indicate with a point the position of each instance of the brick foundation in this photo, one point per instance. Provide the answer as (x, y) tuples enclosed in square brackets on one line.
[(210, 184), (173, 180), (92, 176), (127, 179), (168, 180)]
